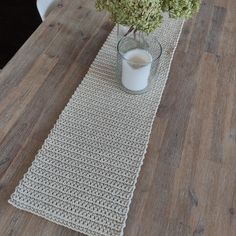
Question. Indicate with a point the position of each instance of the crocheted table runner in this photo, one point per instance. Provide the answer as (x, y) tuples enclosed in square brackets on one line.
[(84, 176)]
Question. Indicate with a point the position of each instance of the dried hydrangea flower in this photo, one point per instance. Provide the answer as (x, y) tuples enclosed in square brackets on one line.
[(146, 15)]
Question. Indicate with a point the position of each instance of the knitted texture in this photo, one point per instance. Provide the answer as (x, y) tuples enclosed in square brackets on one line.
[(84, 175)]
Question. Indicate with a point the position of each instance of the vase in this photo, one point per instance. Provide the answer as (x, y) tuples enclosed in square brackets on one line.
[(121, 31), (138, 56)]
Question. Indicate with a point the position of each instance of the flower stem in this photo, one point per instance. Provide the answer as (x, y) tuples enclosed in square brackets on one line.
[(129, 31)]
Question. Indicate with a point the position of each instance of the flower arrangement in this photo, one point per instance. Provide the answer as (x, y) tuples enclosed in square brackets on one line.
[(146, 15)]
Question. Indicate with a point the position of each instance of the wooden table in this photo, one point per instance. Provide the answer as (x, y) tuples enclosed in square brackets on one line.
[(187, 185)]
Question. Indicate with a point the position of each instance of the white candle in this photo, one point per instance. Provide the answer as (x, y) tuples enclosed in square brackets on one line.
[(136, 68)]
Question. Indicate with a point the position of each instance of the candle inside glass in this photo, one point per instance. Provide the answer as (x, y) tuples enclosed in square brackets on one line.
[(136, 69)]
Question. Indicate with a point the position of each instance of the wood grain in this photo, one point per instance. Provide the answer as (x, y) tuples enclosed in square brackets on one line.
[(187, 185)]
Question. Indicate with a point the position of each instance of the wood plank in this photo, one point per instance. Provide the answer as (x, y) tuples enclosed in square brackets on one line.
[(216, 29)]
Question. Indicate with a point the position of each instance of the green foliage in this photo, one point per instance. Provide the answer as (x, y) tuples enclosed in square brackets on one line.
[(146, 15), (181, 8)]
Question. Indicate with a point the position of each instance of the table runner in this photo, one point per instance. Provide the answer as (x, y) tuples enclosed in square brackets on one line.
[(84, 175)]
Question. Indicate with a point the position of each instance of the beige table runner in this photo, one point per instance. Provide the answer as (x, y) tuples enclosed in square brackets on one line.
[(84, 176)]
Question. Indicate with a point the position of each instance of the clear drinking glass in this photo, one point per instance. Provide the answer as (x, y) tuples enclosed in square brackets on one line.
[(137, 61), (121, 31)]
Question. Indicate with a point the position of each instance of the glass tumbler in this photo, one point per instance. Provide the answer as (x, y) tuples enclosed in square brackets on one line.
[(137, 62)]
